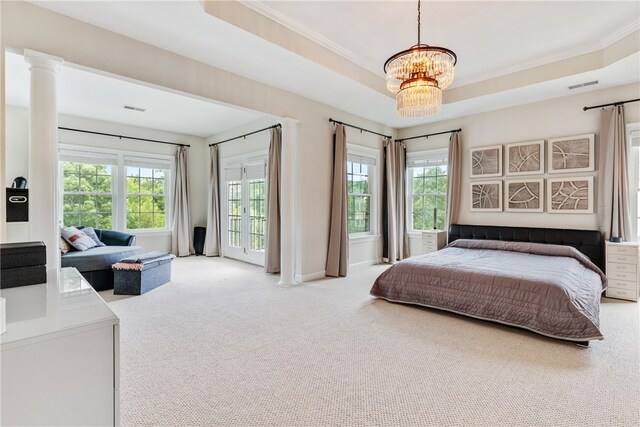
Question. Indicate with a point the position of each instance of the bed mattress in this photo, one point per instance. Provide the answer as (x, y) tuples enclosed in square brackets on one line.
[(549, 289)]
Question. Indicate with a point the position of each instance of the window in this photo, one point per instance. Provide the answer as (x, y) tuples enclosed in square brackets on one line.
[(427, 190), (114, 190), (146, 189), (244, 208), (88, 195), (234, 190), (257, 214), (361, 170)]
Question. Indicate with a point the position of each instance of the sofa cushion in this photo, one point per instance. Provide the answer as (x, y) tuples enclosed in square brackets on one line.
[(89, 231), (98, 258), (77, 238)]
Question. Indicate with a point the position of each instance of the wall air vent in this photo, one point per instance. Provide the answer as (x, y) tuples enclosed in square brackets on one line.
[(595, 82), (129, 107)]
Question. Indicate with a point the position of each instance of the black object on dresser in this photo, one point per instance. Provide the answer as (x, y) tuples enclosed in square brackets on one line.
[(22, 264), (17, 204)]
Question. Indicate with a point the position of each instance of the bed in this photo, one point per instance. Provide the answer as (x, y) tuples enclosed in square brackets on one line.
[(548, 281)]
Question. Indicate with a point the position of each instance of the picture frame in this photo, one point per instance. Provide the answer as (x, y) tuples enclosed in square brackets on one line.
[(486, 196), (486, 162), (571, 154), (524, 195), (524, 158), (570, 195)]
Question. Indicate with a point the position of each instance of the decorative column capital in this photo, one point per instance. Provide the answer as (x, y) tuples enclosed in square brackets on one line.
[(43, 60)]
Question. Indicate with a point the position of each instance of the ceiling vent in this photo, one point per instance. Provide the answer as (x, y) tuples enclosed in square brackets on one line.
[(129, 107), (595, 82)]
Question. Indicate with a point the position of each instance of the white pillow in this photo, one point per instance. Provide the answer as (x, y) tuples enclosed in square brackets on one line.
[(77, 239)]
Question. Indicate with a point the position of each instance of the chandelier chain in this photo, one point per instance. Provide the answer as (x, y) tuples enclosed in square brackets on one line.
[(418, 21)]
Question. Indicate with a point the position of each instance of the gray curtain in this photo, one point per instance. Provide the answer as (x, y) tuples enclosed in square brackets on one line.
[(182, 232), (212, 237), (272, 251), (454, 169), (395, 170), (614, 218), (337, 255)]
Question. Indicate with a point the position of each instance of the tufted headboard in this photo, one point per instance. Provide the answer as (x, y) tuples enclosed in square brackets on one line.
[(589, 242)]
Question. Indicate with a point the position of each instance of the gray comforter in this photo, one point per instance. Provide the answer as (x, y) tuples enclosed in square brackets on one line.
[(549, 289)]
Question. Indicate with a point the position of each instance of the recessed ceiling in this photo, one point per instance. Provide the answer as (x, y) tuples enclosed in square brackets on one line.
[(491, 39), (96, 96)]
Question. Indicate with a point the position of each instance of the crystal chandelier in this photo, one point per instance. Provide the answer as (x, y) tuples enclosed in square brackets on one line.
[(418, 76)]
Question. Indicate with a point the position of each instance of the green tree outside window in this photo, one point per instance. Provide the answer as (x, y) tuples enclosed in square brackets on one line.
[(429, 192)]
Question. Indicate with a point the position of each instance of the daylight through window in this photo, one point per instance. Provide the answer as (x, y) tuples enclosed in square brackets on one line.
[(427, 188)]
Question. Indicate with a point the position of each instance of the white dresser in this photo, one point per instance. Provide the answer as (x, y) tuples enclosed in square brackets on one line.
[(60, 355), (433, 240), (623, 270)]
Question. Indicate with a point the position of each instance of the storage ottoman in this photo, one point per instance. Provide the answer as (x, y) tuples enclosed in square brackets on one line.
[(22, 264), (141, 273)]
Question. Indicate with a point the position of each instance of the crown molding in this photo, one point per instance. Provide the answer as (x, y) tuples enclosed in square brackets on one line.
[(585, 48), (262, 8), (621, 33)]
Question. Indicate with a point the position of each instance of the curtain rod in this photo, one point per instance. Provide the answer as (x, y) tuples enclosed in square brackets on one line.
[(359, 128), (247, 134), (123, 136), (429, 134), (610, 104)]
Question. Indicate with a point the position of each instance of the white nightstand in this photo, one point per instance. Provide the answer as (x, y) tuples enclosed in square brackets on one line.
[(623, 270), (433, 240)]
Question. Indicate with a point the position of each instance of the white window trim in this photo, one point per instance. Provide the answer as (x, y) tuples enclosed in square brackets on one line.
[(237, 161), (417, 156), (119, 184), (375, 185)]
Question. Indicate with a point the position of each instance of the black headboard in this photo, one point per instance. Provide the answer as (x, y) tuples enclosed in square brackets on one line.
[(589, 242)]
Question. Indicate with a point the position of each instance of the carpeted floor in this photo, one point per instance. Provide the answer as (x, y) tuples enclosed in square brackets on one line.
[(222, 344)]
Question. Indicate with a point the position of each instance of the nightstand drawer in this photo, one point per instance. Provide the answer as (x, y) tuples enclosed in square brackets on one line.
[(620, 249), (622, 284), (621, 275), (430, 237), (622, 293), (624, 259), (616, 266), (429, 248)]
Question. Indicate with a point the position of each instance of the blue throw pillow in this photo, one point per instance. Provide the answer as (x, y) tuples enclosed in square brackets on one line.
[(89, 231)]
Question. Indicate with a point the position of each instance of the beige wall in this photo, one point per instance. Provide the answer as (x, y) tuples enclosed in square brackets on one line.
[(17, 131), (540, 120), (27, 26)]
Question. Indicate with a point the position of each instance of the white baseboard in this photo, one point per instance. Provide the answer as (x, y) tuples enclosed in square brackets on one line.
[(302, 278), (360, 265)]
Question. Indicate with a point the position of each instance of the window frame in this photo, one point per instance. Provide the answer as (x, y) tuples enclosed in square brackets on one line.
[(437, 155), (122, 159), (374, 186), (232, 162)]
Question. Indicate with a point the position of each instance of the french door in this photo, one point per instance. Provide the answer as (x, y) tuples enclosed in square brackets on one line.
[(244, 214)]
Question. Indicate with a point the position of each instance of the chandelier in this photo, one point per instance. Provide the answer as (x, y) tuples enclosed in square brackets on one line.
[(418, 76)]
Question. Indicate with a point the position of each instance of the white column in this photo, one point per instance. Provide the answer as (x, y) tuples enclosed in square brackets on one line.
[(43, 154), (287, 217)]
